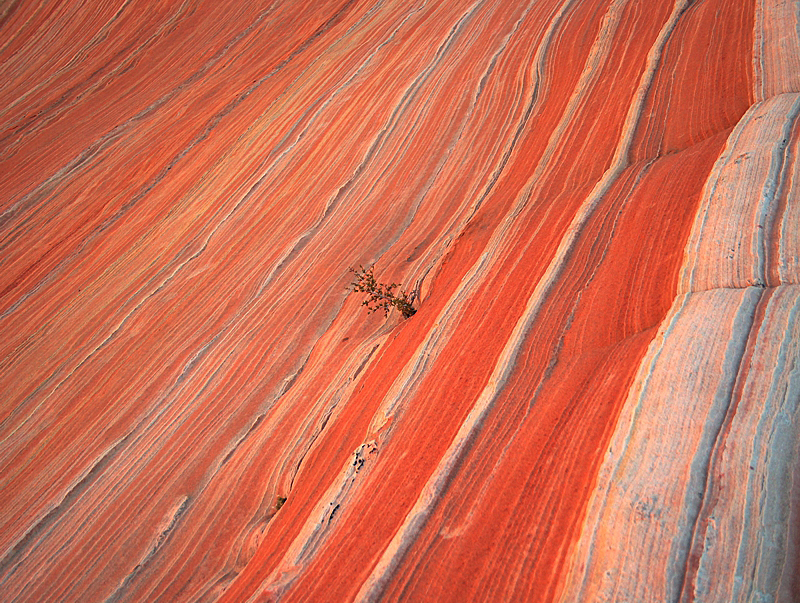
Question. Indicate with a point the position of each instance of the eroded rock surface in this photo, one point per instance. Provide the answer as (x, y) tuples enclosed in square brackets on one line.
[(596, 203)]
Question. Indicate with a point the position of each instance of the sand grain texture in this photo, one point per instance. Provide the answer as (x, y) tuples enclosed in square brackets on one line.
[(598, 211)]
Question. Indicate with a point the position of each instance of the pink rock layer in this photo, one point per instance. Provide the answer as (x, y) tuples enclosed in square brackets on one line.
[(596, 203)]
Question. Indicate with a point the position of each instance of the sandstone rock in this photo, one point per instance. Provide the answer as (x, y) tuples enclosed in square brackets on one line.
[(596, 203)]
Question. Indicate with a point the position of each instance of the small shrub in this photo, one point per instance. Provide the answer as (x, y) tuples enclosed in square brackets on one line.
[(381, 296)]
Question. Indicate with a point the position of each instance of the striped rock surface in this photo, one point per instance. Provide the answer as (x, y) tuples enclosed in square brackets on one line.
[(595, 202)]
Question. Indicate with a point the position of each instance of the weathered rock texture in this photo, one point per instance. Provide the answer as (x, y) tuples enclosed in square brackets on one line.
[(597, 203)]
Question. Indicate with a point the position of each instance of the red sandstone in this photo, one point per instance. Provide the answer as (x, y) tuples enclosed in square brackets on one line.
[(596, 202)]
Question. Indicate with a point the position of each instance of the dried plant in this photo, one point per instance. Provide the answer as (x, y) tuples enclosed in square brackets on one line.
[(381, 296)]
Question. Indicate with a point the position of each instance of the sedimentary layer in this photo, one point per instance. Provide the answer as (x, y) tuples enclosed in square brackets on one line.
[(594, 208)]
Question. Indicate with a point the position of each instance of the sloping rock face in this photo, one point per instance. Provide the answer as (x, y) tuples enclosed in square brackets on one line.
[(596, 203)]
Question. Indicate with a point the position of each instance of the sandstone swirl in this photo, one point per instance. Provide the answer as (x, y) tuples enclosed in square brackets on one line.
[(596, 202)]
